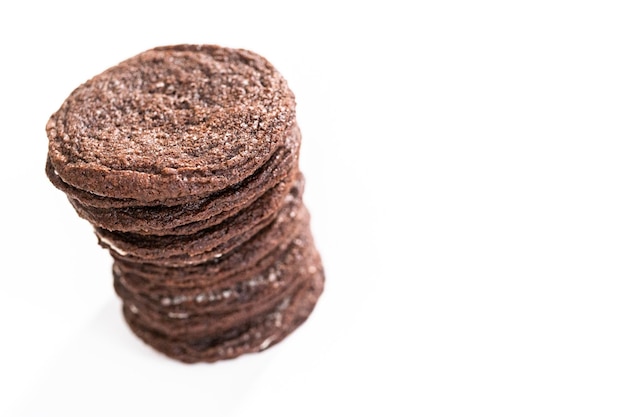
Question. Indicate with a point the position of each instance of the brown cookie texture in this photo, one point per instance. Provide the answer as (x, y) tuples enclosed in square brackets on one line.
[(193, 216), (211, 242), (242, 291), (263, 247), (171, 122), (187, 219), (254, 335), (102, 209), (283, 224), (184, 159)]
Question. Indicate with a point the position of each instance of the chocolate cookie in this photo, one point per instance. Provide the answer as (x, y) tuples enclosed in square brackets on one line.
[(209, 243), (102, 209), (253, 335), (194, 216), (246, 288), (175, 121), (267, 244), (186, 219)]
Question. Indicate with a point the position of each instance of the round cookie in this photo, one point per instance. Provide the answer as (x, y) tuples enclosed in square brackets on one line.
[(209, 243), (273, 237), (258, 334), (243, 294), (187, 219), (100, 209), (176, 121), (193, 216), (263, 247)]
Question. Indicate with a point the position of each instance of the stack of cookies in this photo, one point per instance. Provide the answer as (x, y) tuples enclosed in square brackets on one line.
[(185, 161)]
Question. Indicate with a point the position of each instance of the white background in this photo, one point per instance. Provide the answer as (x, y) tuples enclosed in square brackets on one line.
[(466, 167)]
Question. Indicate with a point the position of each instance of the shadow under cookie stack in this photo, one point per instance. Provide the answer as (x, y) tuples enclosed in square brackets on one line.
[(185, 161)]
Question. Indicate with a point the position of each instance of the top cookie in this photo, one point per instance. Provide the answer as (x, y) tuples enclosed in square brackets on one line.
[(171, 122)]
